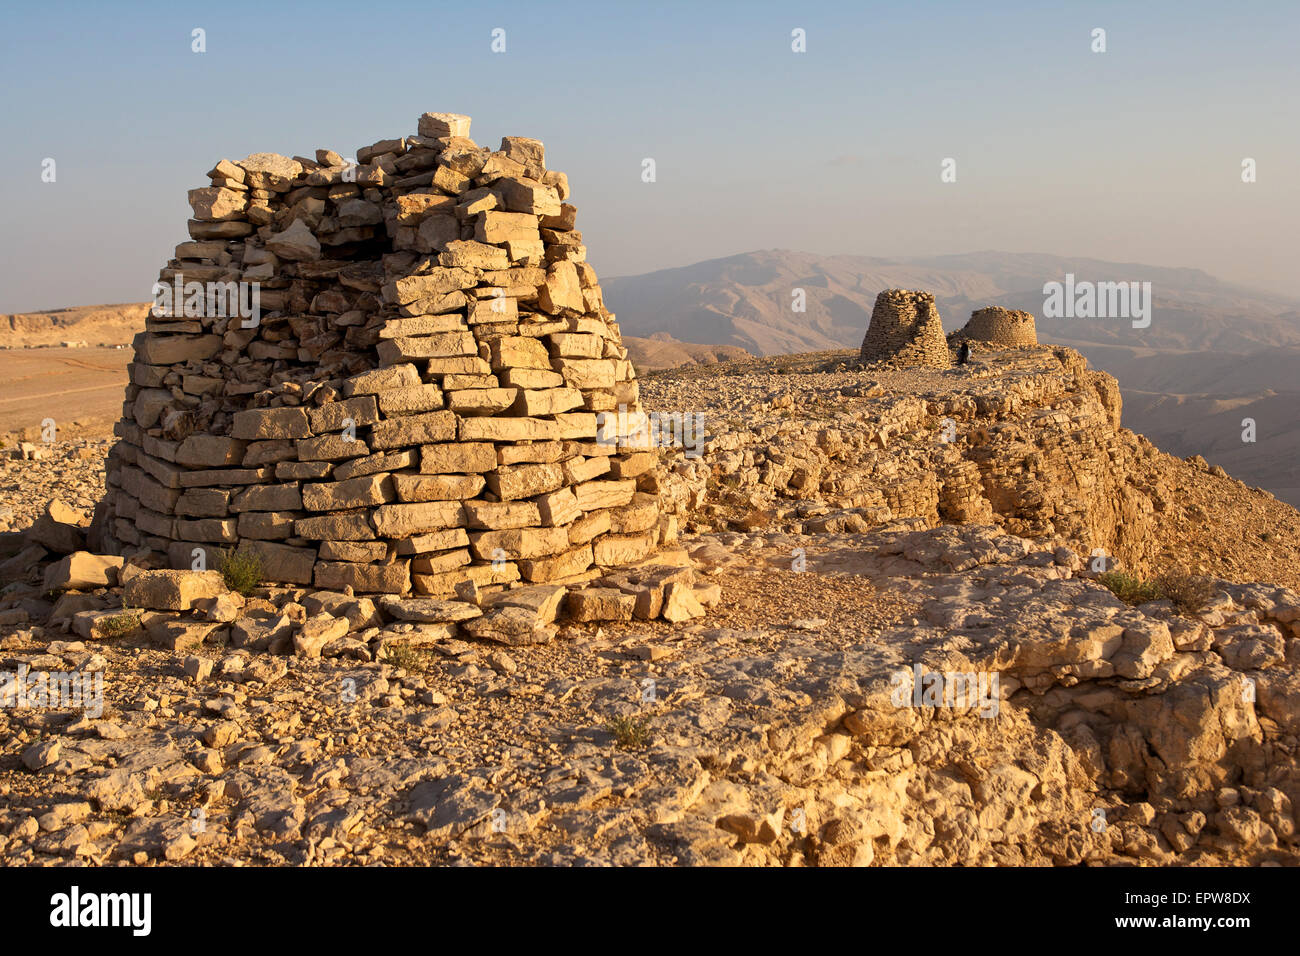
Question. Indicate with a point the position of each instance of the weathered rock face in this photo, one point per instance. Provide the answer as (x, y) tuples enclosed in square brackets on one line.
[(906, 328), (998, 326), (1028, 438), (384, 377), (1122, 733)]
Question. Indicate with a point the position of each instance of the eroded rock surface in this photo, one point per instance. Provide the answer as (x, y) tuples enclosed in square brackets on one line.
[(1096, 731)]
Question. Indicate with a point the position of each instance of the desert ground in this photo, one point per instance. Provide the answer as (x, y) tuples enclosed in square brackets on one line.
[(80, 388)]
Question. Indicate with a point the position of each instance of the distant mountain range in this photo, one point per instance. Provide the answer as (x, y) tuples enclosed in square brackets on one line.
[(663, 351), (1214, 354), (746, 300), (1195, 403)]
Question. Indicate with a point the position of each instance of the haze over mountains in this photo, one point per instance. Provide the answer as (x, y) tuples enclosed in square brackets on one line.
[(1214, 354), (746, 300)]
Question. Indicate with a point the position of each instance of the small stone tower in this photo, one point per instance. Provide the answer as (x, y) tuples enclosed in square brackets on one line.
[(998, 326), (905, 327)]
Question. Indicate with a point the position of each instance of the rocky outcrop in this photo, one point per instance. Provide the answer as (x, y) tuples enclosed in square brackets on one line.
[(89, 324), (1030, 438)]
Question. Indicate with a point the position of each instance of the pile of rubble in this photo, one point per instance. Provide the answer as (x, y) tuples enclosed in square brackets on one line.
[(102, 598)]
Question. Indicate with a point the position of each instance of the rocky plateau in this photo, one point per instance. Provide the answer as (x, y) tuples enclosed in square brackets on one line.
[(755, 693)]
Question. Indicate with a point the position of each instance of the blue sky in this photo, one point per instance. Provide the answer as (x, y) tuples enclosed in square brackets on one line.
[(1132, 155)]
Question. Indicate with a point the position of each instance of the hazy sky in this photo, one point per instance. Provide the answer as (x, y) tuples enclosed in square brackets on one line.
[(1132, 155)]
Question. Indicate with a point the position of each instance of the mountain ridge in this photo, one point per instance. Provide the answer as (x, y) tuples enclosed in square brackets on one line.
[(747, 300)]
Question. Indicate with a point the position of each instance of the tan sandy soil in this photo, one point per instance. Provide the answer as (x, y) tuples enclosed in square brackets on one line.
[(81, 389)]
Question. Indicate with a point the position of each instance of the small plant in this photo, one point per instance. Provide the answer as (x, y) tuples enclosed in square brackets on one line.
[(242, 571), (404, 656), (1129, 588), (117, 625), (630, 733), (1189, 592)]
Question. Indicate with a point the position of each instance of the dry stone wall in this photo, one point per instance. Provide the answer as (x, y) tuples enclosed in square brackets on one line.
[(414, 403), (998, 326), (906, 328)]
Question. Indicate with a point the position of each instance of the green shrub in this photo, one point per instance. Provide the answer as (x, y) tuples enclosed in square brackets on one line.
[(405, 656), (1189, 592), (117, 625), (630, 733), (1129, 588), (242, 571)]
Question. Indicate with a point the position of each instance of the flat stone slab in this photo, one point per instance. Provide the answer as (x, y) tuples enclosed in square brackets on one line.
[(428, 610)]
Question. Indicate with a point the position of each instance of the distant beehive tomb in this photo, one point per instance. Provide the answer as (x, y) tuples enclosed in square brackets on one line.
[(410, 402), (906, 328), (999, 326)]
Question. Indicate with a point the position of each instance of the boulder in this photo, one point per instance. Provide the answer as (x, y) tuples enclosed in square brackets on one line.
[(82, 571), (166, 590)]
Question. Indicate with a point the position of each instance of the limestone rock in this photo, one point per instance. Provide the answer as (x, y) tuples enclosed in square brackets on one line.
[(171, 590), (599, 604), (58, 529), (295, 244), (81, 571), (511, 625)]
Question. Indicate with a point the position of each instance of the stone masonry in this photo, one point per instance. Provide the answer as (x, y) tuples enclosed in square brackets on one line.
[(905, 328), (998, 326), (416, 405)]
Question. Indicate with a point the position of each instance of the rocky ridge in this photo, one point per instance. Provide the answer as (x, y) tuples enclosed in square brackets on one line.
[(1027, 436)]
